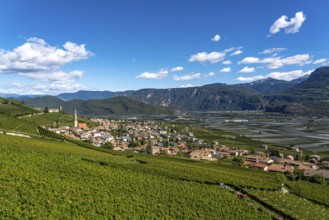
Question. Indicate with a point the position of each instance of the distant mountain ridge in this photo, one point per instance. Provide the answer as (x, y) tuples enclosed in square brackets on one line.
[(105, 107), (270, 86), (87, 95), (16, 96), (266, 86), (308, 94), (213, 97)]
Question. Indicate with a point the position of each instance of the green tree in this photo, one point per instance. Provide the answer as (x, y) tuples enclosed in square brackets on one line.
[(149, 148), (299, 173), (317, 178), (281, 177), (46, 110), (133, 144), (108, 145), (238, 161)]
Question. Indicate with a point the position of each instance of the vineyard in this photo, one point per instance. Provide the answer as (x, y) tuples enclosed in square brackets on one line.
[(56, 119), (294, 206), (28, 128), (184, 169), (61, 178), (58, 179), (61, 181), (13, 124), (315, 192), (15, 109)]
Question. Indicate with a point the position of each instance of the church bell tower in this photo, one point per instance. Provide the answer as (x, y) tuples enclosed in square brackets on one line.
[(75, 118)]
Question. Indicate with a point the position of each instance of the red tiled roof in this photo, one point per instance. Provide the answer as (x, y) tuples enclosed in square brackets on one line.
[(280, 168)]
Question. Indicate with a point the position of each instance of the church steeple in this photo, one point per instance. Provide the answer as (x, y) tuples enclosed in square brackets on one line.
[(75, 118)]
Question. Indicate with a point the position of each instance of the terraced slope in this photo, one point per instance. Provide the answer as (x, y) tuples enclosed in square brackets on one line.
[(58, 180)]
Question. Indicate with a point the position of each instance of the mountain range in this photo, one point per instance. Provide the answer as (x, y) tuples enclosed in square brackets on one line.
[(308, 94)]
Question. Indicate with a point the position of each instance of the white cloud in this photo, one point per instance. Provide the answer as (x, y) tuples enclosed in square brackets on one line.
[(229, 49), (247, 70), (53, 88), (193, 76), (187, 77), (53, 83), (216, 38), (273, 50), (162, 74), (225, 70), (187, 86), (56, 76), (212, 57), (177, 69), (237, 52), (37, 60), (291, 26), (35, 55), (319, 61), (288, 76), (227, 62), (277, 62), (209, 74), (249, 79), (249, 60)]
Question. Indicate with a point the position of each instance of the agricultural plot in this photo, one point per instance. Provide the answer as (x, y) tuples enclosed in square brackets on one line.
[(56, 119), (55, 179), (49, 119), (52, 180), (307, 132), (295, 207), (312, 191), (12, 124), (16, 109)]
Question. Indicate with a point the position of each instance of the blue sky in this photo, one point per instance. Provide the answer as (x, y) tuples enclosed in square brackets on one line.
[(50, 47)]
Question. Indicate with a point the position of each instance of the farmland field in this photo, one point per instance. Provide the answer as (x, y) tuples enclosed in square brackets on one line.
[(309, 133), (54, 179), (50, 180)]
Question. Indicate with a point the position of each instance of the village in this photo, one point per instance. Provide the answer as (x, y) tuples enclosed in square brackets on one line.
[(154, 137)]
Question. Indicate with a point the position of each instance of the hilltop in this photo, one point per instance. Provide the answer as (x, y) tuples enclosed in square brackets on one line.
[(309, 97), (100, 107), (15, 108), (19, 118), (270, 86)]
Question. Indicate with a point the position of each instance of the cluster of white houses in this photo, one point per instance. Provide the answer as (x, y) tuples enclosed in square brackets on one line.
[(124, 135), (263, 161)]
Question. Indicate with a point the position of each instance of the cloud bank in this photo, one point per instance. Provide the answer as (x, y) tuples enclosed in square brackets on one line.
[(37, 60)]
